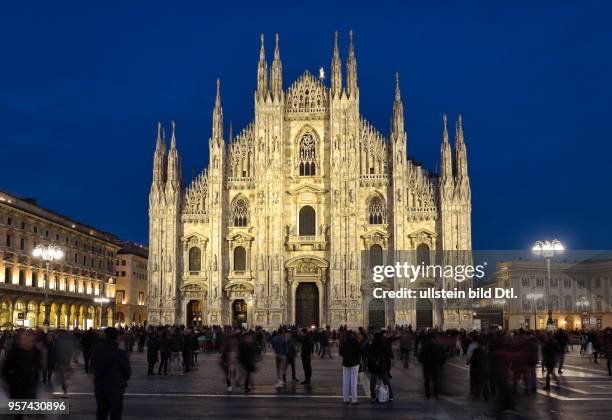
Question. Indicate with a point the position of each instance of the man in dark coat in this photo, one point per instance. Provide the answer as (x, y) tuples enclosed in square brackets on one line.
[(87, 343), (152, 351), (247, 355), (111, 373), (431, 356), (562, 340), (187, 349), (21, 367), (378, 365), (306, 353)]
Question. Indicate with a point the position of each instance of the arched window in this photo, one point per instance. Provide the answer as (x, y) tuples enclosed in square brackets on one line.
[(307, 221), (526, 304), (240, 213), (377, 213), (376, 256), (239, 259), (308, 155), (422, 254), (195, 259)]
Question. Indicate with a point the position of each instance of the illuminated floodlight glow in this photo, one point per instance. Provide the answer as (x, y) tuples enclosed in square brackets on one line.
[(48, 252), (548, 248), (101, 300)]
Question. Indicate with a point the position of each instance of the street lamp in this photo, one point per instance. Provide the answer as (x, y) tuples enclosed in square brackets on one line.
[(548, 249), (47, 253), (101, 301)]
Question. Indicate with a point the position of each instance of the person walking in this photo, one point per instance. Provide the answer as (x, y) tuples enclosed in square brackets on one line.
[(111, 372), (187, 350), (279, 344), (176, 347), (562, 340), (550, 351), (64, 348), (606, 348), (21, 367), (247, 353), (378, 366), (405, 345), (291, 353), (350, 351), (87, 343), (152, 351), (49, 367), (229, 355), (431, 356), (142, 339), (306, 354), (164, 352)]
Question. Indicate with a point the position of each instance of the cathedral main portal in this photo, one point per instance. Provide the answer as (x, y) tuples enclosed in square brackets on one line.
[(307, 305)]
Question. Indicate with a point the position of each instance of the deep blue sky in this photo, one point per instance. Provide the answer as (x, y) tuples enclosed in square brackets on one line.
[(82, 87)]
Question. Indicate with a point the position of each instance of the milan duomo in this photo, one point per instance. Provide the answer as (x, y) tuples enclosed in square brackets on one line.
[(274, 230)]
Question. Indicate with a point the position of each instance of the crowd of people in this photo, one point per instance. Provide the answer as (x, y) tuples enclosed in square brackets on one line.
[(498, 361)]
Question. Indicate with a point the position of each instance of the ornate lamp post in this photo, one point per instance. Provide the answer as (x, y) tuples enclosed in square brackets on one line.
[(47, 253), (548, 249)]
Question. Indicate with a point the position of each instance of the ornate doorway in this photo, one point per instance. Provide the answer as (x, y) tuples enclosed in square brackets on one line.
[(307, 305), (194, 313), (239, 313), (424, 314), (376, 314)]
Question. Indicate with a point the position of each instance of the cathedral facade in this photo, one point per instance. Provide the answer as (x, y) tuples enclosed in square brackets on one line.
[(285, 222)]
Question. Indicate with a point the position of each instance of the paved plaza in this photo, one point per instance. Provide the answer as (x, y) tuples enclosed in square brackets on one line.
[(586, 392)]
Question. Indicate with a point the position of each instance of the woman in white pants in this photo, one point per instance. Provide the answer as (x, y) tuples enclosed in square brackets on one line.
[(350, 351)]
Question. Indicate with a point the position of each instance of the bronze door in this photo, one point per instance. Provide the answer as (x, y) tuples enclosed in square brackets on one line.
[(376, 314), (424, 314), (239, 313), (307, 305)]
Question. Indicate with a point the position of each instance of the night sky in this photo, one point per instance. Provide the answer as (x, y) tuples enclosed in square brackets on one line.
[(82, 87)]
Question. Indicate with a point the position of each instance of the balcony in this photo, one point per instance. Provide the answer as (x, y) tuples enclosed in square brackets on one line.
[(306, 243)]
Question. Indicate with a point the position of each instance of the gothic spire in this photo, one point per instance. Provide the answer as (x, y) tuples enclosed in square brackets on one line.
[(460, 152), (217, 129), (173, 160), (262, 72), (351, 69), (276, 73), (158, 140), (397, 125), (159, 170), (336, 69), (445, 153)]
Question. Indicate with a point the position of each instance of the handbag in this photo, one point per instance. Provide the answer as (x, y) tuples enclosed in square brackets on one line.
[(382, 393)]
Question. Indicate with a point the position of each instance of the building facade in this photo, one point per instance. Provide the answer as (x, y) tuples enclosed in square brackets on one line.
[(579, 294), (84, 273), (289, 215), (132, 283)]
